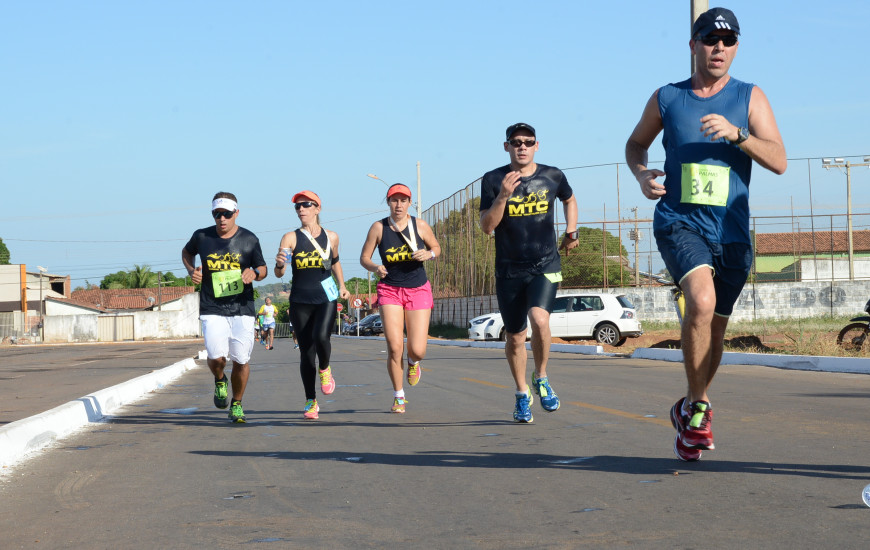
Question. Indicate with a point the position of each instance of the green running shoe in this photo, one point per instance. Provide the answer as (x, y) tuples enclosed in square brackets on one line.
[(237, 414), (220, 393)]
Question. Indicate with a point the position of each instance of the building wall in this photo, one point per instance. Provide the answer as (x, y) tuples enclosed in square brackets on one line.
[(10, 287), (147, 325), (58, 308), (759, 301)]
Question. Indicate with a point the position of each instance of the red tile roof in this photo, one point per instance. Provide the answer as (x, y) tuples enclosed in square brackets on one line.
[(802, 244), (130, 298)]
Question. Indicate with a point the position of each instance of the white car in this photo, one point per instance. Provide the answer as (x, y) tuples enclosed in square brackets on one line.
[(608, 318)]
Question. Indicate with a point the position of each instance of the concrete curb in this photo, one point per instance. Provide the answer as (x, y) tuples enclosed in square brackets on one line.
[(794, 362), (23, 437)]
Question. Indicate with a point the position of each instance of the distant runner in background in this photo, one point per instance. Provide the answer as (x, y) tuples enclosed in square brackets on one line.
[(267, 311)]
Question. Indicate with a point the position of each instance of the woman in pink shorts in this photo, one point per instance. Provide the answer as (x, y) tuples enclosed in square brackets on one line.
[(404, 292)]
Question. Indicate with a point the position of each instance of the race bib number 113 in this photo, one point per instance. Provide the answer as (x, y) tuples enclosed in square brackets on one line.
[(227, 283), (705, 184)]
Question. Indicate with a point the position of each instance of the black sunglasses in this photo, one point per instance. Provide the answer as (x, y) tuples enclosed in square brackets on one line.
[(712, 39), (526, 142), (226, 214), (306, 204)]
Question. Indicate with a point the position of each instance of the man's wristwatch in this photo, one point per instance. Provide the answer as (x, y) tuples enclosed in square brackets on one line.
[(742, 135), (574, 235)]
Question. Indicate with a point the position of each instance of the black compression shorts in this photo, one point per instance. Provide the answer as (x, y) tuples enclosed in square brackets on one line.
[(517, 296)]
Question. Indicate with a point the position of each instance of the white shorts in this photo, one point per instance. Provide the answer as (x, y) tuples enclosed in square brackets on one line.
[(231, 337)]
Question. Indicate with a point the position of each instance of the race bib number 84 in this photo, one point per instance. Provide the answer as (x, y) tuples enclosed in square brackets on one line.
[(705, 184), (227, 283)]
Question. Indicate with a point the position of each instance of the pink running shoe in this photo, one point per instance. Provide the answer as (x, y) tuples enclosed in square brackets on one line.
[(398, 405), (686, 454), (327, 382), (698, 431), (311, 410)]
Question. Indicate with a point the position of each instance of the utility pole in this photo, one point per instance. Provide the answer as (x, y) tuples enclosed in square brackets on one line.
[(697, 8), (419, 197), (842, 163)]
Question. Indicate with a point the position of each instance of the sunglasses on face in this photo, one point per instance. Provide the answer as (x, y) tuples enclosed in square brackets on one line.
[(226, 214), (712, 39), (306, 204), (526, 142)]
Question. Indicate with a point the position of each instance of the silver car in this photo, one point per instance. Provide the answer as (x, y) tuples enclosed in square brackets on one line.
[(607, 318)]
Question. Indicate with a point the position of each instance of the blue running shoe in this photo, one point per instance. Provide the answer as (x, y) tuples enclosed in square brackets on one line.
[(549, 399), (523, 409)]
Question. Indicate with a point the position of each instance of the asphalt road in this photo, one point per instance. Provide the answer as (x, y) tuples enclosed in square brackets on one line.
[(455, 471)]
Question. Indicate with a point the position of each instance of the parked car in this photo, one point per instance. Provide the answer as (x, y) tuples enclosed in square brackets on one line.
[(370, 325), (607, 318)]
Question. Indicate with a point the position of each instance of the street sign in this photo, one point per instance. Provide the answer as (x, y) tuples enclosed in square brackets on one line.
[(339, 307), (357, 303)]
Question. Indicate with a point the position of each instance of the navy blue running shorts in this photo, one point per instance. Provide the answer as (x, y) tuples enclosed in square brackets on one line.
[(683, 250)]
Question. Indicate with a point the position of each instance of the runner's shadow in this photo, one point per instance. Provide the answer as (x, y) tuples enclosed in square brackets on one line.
[(646, 466)]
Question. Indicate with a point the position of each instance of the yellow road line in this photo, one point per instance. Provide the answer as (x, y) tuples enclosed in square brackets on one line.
[(485, 383), (660, 421)]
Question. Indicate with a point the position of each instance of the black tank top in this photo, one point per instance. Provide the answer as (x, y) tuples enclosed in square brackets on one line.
[(308, 272), (402, 270)]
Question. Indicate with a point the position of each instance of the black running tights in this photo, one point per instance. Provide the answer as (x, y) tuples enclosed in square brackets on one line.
[(313, 324)]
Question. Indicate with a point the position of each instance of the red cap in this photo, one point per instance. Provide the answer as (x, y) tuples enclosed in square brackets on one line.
[(398, 189), (307, 195)]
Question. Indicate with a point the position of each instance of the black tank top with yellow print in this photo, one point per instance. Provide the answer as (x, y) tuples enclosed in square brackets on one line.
[(307, 269), (402, 270)]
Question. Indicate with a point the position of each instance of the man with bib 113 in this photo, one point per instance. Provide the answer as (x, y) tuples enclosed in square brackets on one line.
[(714, 127), (230, 261)]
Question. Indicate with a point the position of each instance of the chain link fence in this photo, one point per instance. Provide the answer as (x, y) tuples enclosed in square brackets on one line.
[(622, 252)]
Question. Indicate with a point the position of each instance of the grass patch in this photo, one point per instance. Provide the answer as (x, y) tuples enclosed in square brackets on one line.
[(448, 332), (807, 336)]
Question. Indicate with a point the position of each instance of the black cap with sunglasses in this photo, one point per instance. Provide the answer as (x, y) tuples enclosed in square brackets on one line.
[(715, 19)]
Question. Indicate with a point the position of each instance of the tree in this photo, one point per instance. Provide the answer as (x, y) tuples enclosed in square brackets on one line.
[(169, 279), (4, 254), (142, 277), (118, 279), (358, 285), (596, 262)]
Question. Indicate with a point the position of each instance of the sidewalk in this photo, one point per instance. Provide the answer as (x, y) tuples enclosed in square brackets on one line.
[(51, 390)]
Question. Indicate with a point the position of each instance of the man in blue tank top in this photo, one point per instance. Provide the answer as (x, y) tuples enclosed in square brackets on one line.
[(713, 127)]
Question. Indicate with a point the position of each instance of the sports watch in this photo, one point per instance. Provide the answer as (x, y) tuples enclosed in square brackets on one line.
[(742, 135), (574, 235)]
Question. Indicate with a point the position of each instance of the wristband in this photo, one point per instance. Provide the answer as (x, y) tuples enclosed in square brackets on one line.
[(574, 235), (433, 254)]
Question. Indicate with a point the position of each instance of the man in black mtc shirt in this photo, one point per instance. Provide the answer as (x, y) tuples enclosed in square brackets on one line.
[(231, 260), (517, 203)]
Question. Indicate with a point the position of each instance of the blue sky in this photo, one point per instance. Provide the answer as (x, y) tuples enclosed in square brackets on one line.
[(120, 120)]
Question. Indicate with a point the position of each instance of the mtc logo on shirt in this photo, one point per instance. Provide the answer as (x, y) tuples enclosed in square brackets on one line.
[(225, 262), (399, 254), (308, 260), (533, 204)]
